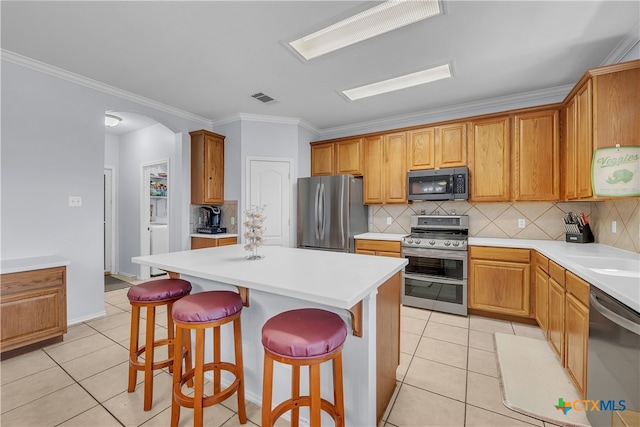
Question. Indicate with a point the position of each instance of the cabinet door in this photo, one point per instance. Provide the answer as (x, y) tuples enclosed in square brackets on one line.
[(203, 242), (349, 157), (421, 149), (555, 332), (569, 150), (373, 184), (536, 156), (542, 296), (395, 171), (451, 145), (576, 338), (499, 287), (322, 159), (214, 169), (365, 252), (584, 141), (489, 160)]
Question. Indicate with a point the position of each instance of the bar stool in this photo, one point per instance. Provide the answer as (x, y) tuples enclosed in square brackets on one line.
[(198, 312), (150, 295), (304, 337)]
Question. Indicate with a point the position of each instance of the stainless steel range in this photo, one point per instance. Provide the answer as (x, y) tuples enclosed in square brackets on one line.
[(436, 276)]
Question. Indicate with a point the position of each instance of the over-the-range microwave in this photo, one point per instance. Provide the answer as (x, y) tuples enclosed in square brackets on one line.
[(438, 184)]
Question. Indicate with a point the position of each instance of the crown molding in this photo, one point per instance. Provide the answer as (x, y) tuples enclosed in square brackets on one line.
[(532, 98), (51, 70), (248, 117), (626, 44)]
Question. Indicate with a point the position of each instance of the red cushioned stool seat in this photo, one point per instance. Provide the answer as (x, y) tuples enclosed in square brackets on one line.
[(198, 312), (304, 337), (150, 295)]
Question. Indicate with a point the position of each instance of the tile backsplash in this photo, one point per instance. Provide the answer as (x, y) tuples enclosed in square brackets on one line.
[(543, 220)]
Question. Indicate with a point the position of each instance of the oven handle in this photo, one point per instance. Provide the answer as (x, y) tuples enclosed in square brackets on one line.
[(435, 253), (437, 279)]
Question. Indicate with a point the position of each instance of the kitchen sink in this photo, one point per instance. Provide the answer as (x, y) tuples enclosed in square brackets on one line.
[(625, 267)]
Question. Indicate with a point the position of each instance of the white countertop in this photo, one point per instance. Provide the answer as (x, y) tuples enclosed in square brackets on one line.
[(27, 264), (335, 279), (623, 288), (380, 236), (213, 236)]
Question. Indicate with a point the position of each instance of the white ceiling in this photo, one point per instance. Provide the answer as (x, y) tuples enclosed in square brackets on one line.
[(208, 57)]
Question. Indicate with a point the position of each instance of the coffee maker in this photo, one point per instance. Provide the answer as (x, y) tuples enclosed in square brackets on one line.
[(210, 220)]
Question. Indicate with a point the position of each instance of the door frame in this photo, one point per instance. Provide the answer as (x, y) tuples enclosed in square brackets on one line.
[(247, 193), (145, 201), (111, 223)]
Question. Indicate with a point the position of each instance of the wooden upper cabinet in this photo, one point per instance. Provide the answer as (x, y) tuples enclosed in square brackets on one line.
[(207, 168), (536, 156), (395, 168), (322, 159), (349, 156), (421, 149), (616, 107), (373, 183), (437, 147), (568, 150), (584, 140), (451, 146), (489, 160)]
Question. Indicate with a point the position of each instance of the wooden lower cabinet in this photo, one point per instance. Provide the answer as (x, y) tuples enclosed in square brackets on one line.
[(378, 247), (542, 298), (206, 242), (555, 330), (499, 280), (576, 338), (33, 307)]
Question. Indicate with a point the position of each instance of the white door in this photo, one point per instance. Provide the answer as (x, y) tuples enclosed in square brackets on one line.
[(108, 220), (269, 182)]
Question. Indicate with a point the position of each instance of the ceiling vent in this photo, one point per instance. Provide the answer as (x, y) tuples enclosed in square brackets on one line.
[(262, 97)]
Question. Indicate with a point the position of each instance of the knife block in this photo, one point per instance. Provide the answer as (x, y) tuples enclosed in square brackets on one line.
[(584, 236)]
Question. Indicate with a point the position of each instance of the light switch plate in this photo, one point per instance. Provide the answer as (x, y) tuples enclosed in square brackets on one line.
[(75, 201), (389, 220), (614, 226)]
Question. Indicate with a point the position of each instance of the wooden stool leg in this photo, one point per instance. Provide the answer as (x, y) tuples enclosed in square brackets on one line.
[(148, 357), (216, 359), (198, 379), (133, 346), (338, 397), (314, 392), (170, 334), (267, 392), (177, 376), (188, 363), (237, 339), (295, 394)]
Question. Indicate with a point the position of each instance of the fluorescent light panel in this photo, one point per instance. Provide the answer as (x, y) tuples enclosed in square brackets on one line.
[(372, 22), (401, 82)]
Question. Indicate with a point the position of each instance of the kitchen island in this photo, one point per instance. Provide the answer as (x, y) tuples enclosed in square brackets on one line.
[(364, 290)]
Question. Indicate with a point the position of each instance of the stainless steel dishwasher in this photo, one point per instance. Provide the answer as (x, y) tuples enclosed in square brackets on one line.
[(613, 369)]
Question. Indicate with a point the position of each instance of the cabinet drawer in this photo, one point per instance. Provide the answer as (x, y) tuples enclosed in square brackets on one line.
[(14, 283), (578, 287), (556, 272), (378, 245), (542, 262), (226, 241), (500, 254)]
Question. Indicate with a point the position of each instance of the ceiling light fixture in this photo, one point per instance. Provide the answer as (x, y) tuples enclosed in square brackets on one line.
[(380, 19), (111, 120), (409, 80)]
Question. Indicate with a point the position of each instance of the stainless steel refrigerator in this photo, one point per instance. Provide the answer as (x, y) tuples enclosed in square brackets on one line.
[(330, 212)]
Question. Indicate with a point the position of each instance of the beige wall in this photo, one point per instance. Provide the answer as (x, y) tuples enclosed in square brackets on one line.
[(543, 220)]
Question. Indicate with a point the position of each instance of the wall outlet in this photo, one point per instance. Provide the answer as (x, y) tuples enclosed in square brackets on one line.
[(233, 220), (75, 201), (521, 223), (389, 220), (614, 226)]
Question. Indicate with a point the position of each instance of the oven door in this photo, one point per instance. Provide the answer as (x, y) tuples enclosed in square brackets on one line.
[(435, 280)]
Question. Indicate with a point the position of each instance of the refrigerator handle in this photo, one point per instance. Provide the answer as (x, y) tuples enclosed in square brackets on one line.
[(322, 212), (342, 211), (316, 213)]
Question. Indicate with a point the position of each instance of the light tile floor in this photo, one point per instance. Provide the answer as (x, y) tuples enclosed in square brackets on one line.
[(447, 377)]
